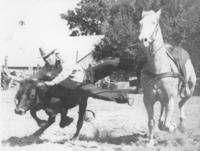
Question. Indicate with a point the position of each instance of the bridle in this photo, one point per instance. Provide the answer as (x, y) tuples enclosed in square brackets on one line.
[(152, 53), (154, 33)]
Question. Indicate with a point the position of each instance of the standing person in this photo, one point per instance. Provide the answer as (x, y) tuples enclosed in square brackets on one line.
[(4, 78)]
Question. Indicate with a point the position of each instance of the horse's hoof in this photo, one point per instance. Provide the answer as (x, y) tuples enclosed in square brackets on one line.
[(171, 128), (65, 122), (181, 128), (150, 143), (42, 123), (161, 125)]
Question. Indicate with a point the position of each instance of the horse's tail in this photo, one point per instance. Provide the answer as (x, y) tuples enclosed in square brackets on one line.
[(190, 78)]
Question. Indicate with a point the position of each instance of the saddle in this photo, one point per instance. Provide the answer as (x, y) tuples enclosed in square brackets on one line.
[(179, 56)]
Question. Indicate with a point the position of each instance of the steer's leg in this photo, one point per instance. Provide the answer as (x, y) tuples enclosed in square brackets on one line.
[(182, 113), (64, 119), (51, 120), (38, 120), (82, 108)]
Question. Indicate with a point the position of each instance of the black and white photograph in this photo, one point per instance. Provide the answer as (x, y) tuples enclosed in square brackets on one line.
[(100, 75)]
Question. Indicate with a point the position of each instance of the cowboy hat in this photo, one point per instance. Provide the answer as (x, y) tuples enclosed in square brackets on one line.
[(45, 54)]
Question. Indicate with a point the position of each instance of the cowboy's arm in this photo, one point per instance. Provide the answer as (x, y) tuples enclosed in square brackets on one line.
[(61, 76)]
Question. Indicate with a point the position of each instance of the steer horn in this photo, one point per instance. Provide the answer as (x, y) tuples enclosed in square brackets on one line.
[(17, 79)]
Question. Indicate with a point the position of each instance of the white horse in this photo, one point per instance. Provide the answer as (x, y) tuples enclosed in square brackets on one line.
[(160, 77)]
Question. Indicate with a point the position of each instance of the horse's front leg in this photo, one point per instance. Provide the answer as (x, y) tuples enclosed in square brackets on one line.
[(161, 117), (169, 108), (182, 113), (82, 109), (40, 122), (151, 122)]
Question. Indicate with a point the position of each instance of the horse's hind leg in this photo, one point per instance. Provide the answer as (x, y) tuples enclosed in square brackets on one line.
[(182, 113)]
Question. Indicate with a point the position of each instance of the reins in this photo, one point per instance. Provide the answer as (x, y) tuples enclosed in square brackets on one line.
[(161, 75), (153, 39)]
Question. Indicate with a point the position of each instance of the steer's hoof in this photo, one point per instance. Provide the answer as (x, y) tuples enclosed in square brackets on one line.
[(42, 123), (66, 121), (74, 139)]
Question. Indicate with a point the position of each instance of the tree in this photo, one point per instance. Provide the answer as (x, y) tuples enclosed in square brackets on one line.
[(118, 21), (180, 24), (87, 18)]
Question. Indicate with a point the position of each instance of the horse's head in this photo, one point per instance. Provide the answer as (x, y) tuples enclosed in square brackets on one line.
[(26, 96), (149, 25)]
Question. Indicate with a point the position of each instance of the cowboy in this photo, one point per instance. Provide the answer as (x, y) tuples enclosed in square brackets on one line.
[(75, 77), (55, 70), (50, 70)]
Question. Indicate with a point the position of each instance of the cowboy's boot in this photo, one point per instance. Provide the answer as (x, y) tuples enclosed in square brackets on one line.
[(130, 100), (125, 98)]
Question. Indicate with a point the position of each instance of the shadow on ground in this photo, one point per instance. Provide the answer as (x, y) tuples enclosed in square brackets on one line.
[(127, 139), (23, 141)]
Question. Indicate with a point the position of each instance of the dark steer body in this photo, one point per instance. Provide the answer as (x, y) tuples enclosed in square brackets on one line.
[(53, 99)]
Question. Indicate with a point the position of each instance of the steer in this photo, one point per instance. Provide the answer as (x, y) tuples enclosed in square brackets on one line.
[(32, 97), (57, 99)]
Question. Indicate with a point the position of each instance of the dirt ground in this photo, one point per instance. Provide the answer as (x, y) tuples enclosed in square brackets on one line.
[(117, 127)]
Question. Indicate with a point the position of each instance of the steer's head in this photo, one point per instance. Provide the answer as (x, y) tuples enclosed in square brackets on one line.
[(26, 96)]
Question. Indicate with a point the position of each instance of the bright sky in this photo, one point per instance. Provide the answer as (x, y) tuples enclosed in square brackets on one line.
[(43, 27)]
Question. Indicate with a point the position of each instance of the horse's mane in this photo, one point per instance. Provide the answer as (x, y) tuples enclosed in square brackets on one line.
[(168, 46), (147, 13)]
